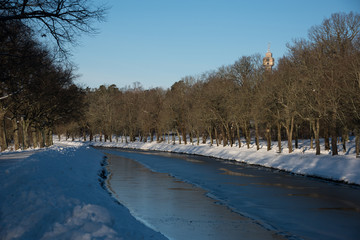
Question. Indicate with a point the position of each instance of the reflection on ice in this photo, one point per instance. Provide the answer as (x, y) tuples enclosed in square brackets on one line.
[(229, 172), (176, 209)]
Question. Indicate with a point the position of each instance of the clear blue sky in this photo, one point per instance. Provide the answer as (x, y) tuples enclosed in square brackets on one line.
[(157, 42)]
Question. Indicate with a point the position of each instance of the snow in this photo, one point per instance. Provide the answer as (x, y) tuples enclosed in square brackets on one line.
[(54, 193)]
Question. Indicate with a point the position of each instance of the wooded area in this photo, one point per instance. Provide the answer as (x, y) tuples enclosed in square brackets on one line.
[(312, 93), (37, 91)]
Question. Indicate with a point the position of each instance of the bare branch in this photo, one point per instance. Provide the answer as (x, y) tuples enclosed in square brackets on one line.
[(64, 20)]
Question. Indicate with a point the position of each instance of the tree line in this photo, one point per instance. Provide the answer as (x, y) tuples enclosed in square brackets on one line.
[(314, 92)]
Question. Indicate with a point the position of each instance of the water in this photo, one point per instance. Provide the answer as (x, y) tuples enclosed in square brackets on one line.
[(294, 206), (177, 209)]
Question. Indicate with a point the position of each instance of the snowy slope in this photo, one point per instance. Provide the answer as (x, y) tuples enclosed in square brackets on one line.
[(55, 194), (344, 167)]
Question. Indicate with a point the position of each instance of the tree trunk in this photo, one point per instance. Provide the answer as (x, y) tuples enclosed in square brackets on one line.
[(177, 131), (247, 134), (316, 129), (25, 127), (16, 133), (91, 136), (183, 132), (151, 136), (312, 122), (143, 138), (334, 144), (131, 135), (268, 138), (223, 137), (248, 137), (42, 138), (257, 134), (326, 139), (216, 137), (238, 134), (334, 136), (230, 136), (38, 137), (344, 138), (158, 134), (296, 136), (3, 141), (48, 137), (34, 137), (279, 136), (344, 143), (289, 132)]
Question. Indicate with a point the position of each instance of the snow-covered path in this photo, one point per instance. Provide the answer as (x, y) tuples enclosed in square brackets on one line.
[(55, 194)]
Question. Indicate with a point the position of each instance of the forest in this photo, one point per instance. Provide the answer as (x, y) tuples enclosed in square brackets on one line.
[(313, 92)]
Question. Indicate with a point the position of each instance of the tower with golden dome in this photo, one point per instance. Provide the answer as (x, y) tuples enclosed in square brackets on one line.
[(268, 60)]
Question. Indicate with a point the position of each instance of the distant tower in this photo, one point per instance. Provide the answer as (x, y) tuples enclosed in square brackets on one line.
[(268, 60)]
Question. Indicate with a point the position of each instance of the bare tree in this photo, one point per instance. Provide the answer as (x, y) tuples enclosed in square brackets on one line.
[(63, 20), (335, 39), (247, 73)]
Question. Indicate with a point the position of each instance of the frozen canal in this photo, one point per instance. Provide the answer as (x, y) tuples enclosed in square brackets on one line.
[(190, 197)]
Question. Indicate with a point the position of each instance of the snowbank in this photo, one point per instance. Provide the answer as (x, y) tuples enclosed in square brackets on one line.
[(55, 194), (344, 167)]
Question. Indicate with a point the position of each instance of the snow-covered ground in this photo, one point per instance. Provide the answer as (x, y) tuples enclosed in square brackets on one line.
[(344, 167), (55, 193)]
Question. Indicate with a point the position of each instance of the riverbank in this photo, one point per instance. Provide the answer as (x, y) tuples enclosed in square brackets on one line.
[(344, 168), (55, 193)]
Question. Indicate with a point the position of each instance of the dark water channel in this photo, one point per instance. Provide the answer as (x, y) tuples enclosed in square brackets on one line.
[(192, 197)]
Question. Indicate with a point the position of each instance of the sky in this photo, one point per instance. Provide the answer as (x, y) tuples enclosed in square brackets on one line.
[(159, 42)]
